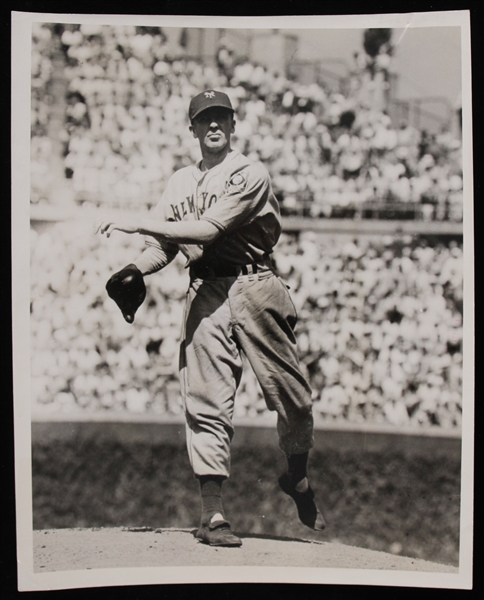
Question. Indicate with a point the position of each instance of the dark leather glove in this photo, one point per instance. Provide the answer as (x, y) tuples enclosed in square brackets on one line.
[(127, 288)]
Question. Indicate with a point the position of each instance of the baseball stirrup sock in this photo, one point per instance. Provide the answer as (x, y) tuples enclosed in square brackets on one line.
[(307, 510), (296, 485), (297, 465), (211, 496)]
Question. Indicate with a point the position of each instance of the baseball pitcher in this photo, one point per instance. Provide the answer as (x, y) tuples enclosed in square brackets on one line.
[(222, 215)]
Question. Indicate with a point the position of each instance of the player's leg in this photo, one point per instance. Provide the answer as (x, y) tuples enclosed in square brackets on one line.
[(266, 318), (210, 369), (265, 321)]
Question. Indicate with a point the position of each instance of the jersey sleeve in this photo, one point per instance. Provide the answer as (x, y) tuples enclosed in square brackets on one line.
[(247, 190), (158, 253)]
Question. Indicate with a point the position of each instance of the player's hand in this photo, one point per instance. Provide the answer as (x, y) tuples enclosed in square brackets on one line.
[(107, 226)]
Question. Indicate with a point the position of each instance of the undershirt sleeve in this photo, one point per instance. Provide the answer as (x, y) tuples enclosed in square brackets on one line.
[(156, 256), (158, 253)]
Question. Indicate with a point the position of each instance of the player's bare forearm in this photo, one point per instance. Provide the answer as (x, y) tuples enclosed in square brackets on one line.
[(180, 232)]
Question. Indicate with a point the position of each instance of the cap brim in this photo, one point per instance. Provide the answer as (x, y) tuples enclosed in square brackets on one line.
[(218, 105)]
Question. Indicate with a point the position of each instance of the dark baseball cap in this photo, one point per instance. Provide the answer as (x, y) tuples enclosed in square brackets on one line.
[(206, 100)]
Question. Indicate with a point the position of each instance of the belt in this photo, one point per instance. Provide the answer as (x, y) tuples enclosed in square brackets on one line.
[(222, 270)]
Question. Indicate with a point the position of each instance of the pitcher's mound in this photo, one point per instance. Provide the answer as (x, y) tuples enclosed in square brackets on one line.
[(71, 549)]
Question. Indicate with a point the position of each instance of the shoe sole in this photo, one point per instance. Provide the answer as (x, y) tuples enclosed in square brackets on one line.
[(235, 542), (221, 544)]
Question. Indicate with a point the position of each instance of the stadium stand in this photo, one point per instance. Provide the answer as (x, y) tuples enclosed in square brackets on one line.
[(379, 332), (126, 131), (380, 319)]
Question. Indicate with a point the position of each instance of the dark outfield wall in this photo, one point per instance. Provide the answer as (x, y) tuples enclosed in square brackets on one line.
[(395, 493)]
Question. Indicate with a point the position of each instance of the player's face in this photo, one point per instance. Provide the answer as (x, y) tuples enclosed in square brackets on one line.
[(213, 128)]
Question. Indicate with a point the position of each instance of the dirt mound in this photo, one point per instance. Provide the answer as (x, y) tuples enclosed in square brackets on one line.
[(104, 548)]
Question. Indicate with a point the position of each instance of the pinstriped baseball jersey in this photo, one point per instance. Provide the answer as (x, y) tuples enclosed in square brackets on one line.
[(236, 196)]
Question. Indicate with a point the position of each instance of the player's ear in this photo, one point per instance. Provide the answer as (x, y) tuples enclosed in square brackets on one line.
[(233, 126), (192, 129)]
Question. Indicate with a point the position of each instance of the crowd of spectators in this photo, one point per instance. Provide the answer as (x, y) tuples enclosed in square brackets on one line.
[(126, 130), (380, 320), (379, 330)]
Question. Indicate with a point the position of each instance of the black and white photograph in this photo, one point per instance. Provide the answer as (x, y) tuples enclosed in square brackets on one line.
[(243, 299)]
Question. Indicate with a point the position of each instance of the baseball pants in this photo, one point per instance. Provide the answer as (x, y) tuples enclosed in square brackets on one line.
[(225, 316)]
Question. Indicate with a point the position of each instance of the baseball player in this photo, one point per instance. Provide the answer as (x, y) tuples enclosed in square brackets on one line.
[(222, 215)]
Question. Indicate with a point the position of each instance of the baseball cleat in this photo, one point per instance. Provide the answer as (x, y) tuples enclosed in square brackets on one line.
[(307, 510), (218, 533)]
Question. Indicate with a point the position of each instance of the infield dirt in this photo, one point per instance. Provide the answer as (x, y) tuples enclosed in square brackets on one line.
[(103, 548)]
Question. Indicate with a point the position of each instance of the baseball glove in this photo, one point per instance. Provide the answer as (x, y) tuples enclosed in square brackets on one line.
[(127, 288)]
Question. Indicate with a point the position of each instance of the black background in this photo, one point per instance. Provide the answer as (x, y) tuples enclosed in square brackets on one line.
[(207, 7)]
